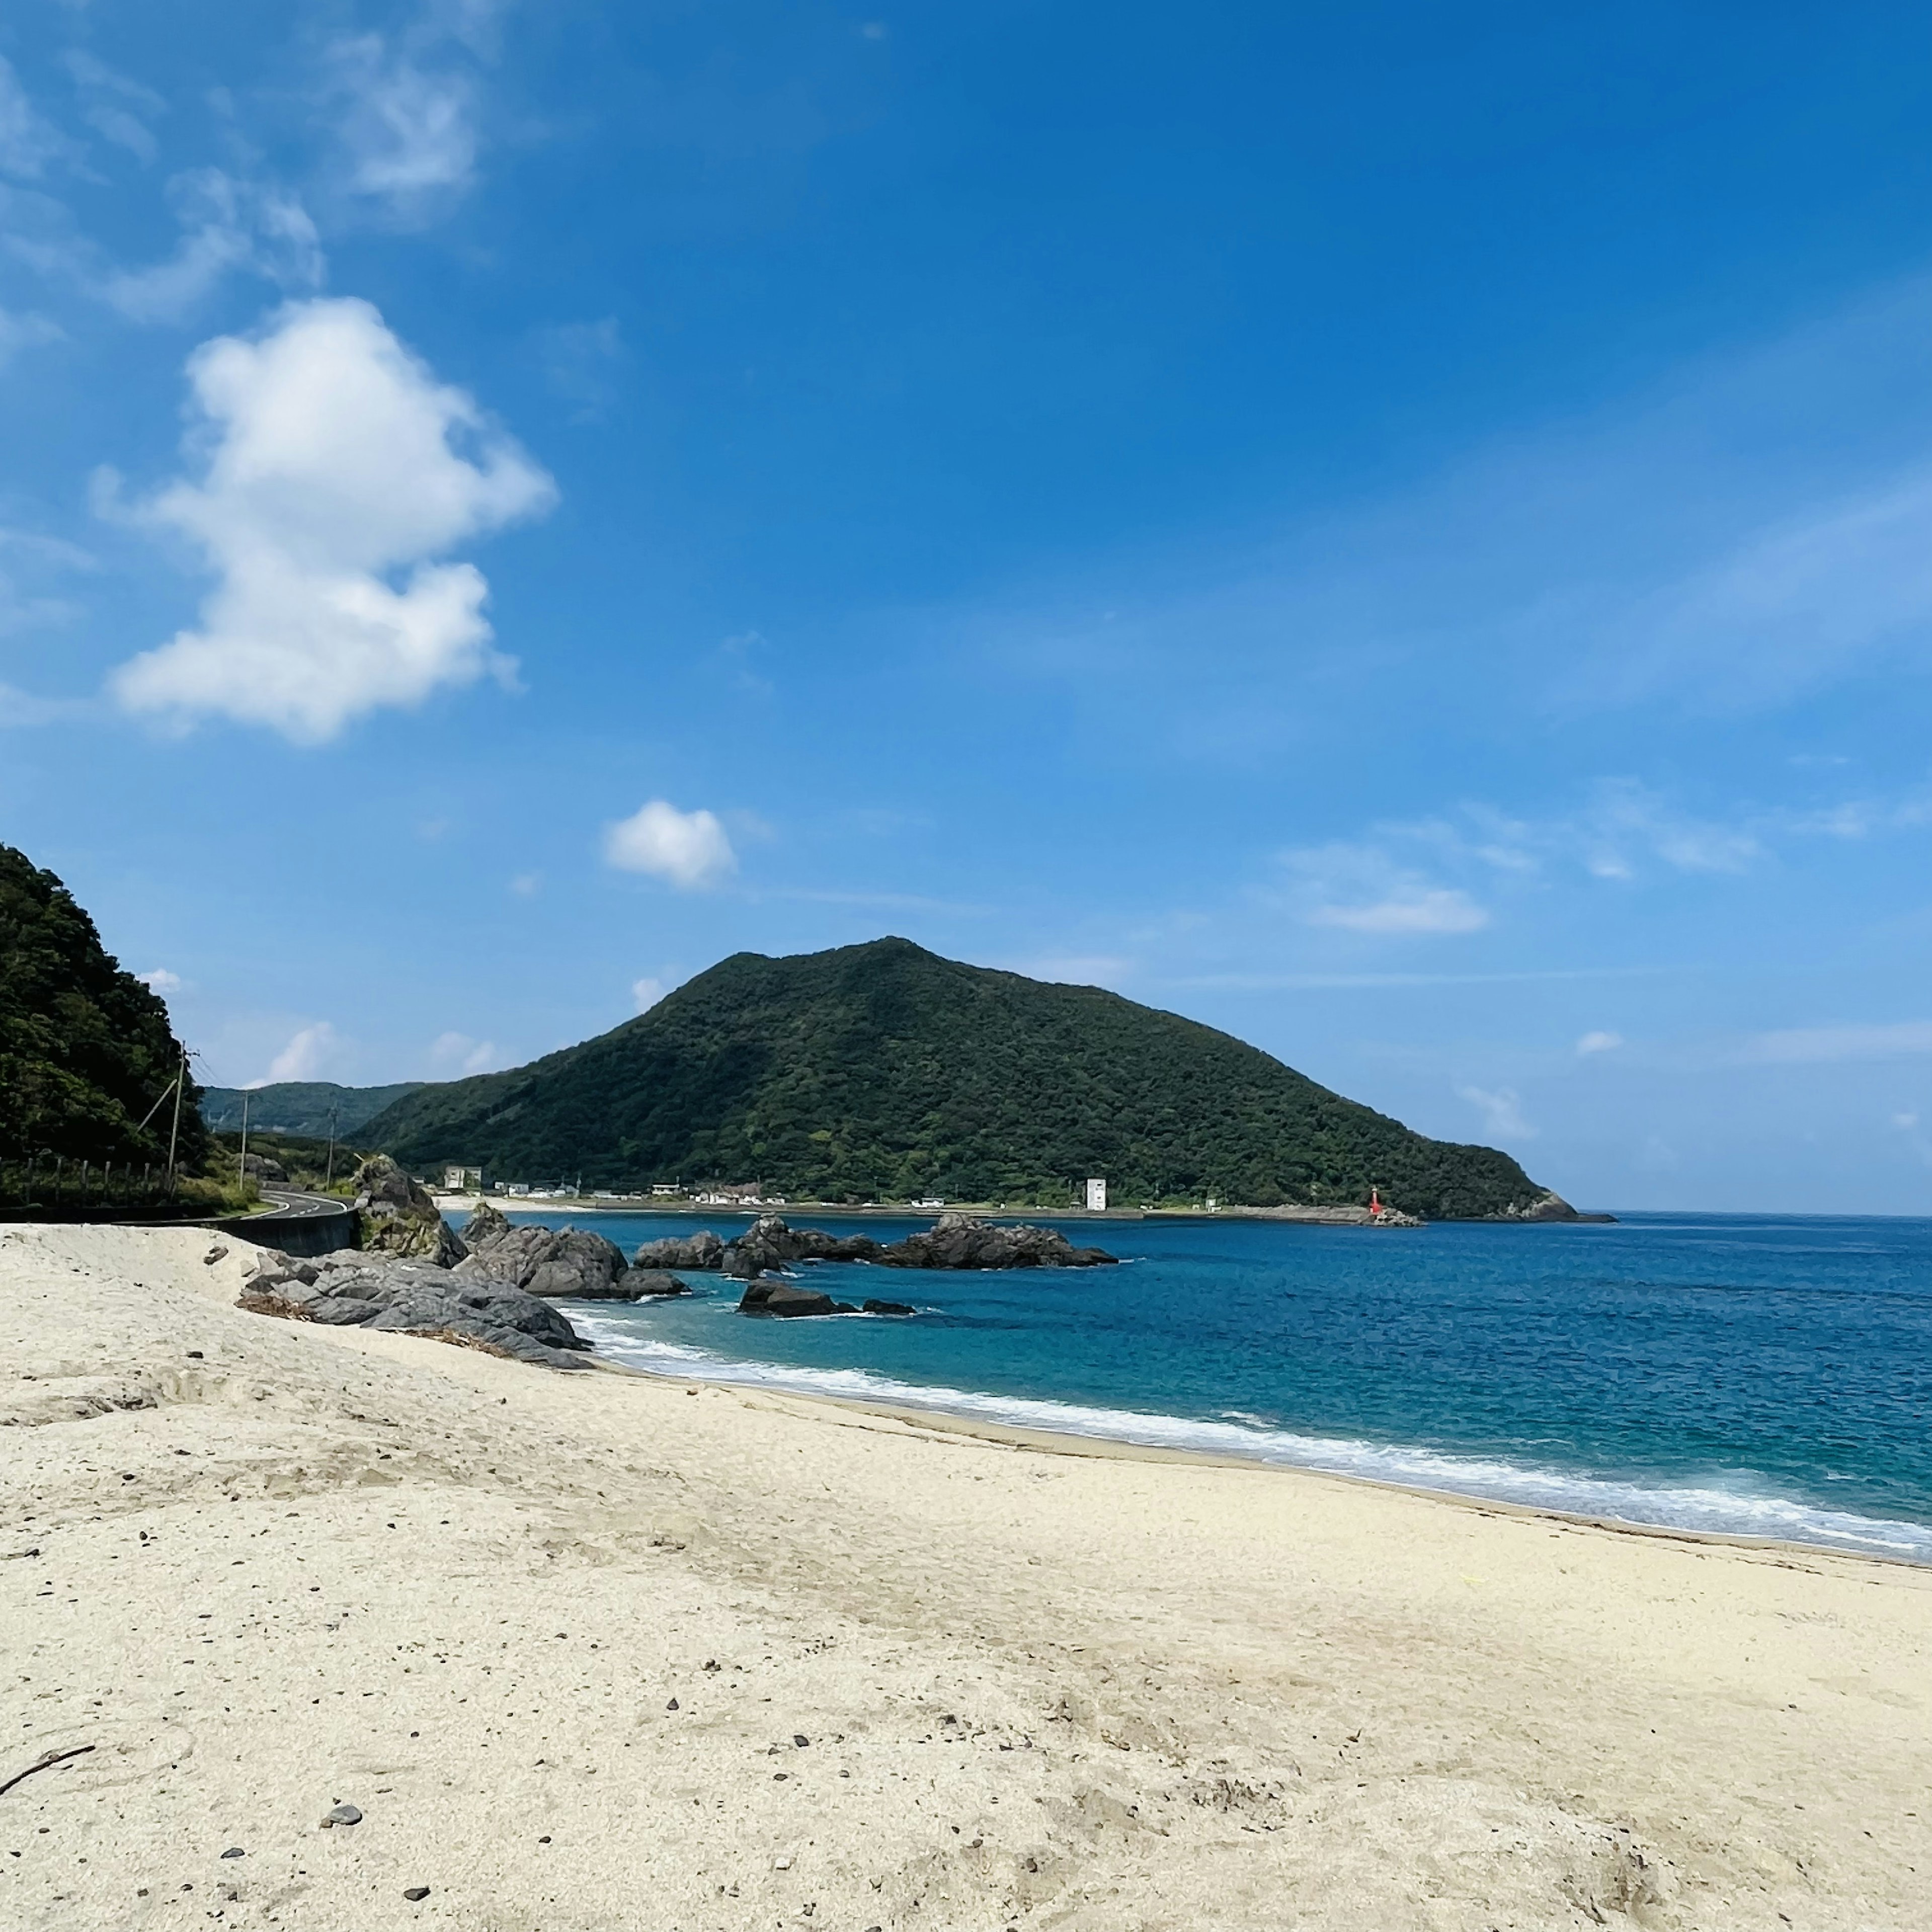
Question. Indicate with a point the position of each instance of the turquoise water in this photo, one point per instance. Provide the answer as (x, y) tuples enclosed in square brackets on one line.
[(1761, 1376)]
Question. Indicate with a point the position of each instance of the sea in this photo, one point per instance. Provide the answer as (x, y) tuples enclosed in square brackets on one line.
[(1759, 1375)]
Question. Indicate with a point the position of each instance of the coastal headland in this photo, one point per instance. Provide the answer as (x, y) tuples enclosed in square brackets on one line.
[(600, 1650)]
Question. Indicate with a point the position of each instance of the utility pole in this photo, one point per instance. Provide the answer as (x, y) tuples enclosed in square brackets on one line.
[(174, 1132), (328, 1180), (242, 1167)]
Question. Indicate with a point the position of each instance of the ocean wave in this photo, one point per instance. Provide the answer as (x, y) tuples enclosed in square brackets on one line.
[(1707, 1508)]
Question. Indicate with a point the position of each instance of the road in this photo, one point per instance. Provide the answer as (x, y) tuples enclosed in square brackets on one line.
[(287, 1201)]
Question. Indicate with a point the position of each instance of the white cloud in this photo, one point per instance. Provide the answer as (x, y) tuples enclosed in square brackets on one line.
[(161, 981), (1501, 1110), (1600, 1043), (1817, 1045), (1409, 909), (225, 224), (457, 1052), (645, 993), (406, 119), (688, 848), (1361, 889), (1905, 1120), (335, 459), (308, 1053)]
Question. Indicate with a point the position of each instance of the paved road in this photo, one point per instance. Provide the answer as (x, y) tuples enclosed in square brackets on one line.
[(286, 1200)]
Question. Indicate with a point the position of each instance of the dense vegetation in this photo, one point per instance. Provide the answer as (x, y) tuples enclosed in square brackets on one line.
[(85, 1049), (883, 1073), (305, 1162), (299, 1106)]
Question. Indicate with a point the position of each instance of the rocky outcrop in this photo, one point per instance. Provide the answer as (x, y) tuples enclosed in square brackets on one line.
[(769, 1243), (701, 1251), (394, 1215), (413, 1297), (772, 1294), (1547, 1206), (564, 1264), (637, 1284), (887, 1308), (963, 1241)]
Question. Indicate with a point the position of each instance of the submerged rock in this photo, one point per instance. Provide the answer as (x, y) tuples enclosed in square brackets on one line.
[(348, 1290), (964, 1241), (887, 1308), (394, 1216)]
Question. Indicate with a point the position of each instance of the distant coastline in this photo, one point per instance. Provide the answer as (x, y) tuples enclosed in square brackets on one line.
[(685, 1207)]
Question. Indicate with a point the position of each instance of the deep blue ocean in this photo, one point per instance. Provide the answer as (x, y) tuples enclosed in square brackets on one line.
[(1764, 1375)]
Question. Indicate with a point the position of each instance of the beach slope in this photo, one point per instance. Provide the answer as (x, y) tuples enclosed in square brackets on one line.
[(599, 1651)]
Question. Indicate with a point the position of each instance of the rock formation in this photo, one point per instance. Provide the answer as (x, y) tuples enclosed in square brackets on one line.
[(768, 1244), (703, 1250), (413, 1297), (963, 1241), (395, 1216), (558, 1263), (772, 1294)]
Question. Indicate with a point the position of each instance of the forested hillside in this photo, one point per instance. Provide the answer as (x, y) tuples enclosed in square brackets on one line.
[(85, 1049), (883, 1071)]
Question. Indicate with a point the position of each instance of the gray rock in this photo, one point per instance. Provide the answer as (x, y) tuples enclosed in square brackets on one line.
[(774, 1295), (361, 1290), (394, 1215), (769, 1243), (562, 1264), (887, 1308), (700, 1252), (963, 1241), (343, 1814), (637, 1284)]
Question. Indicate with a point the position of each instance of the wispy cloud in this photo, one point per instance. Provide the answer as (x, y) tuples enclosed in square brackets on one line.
[(116, 107), (1599, 1042), (310, 1053), (226, 225), (1501, 1110), (458, 1053), (1361, 888), (406, 107), (335, 459), (1814, 1045)]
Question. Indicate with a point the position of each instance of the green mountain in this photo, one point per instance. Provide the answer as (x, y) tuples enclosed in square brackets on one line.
[(883, 1073), (300, 1106), (85, 1048)]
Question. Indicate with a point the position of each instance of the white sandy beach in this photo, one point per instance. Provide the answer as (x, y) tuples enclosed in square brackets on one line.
[(594, 1651)]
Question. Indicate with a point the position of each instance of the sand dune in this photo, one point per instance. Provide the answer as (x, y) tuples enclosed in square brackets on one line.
[(597, 1652)]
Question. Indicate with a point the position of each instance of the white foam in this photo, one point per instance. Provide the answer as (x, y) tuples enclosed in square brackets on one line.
[(1719, 1510)]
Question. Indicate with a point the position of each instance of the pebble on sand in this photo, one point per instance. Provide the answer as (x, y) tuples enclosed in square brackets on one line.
[(343, 1814), (414, 1892)]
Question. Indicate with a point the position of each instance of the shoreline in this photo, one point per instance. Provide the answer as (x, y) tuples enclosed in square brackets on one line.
[(946, 1423), (620, 1648)]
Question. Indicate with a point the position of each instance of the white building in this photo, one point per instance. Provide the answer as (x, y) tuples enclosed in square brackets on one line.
[(1097, 1197)]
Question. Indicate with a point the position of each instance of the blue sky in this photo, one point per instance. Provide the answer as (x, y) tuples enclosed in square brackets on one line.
[(1404, 533)]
